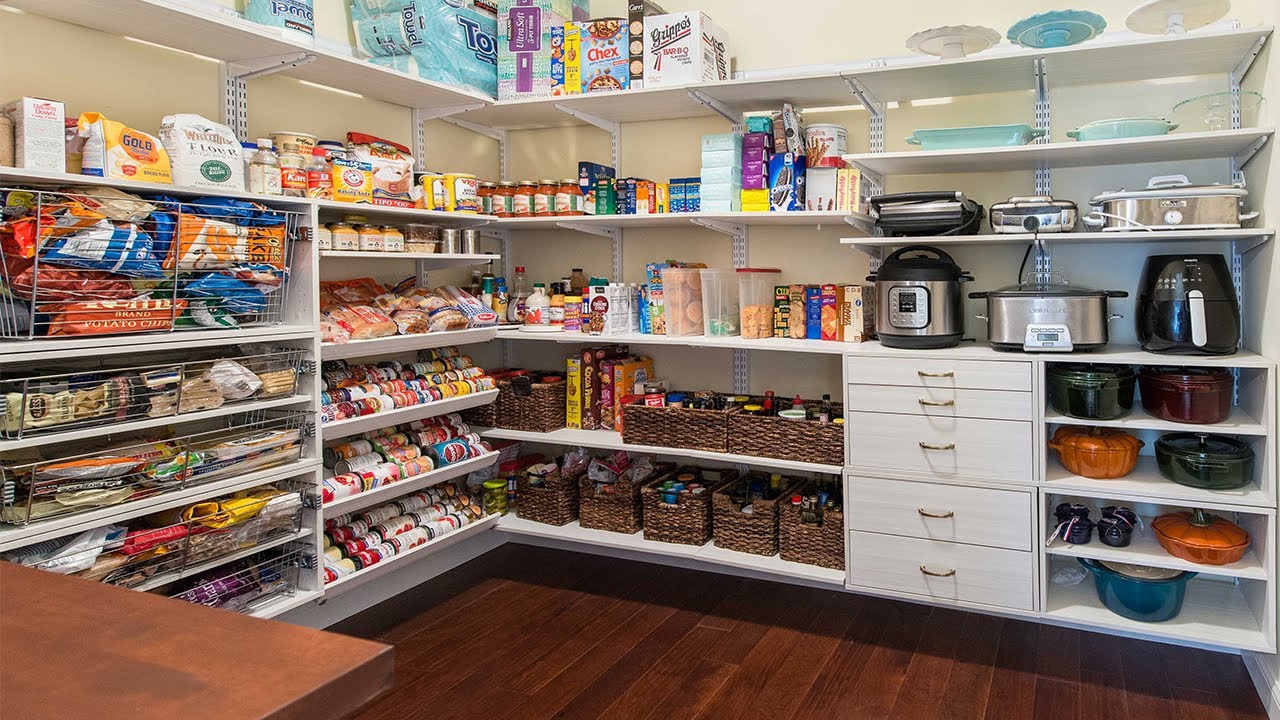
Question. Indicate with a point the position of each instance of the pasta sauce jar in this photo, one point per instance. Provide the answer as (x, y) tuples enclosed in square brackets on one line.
[(569, 198), (502, 204), (544, 198), (523, 202), (484, 194)]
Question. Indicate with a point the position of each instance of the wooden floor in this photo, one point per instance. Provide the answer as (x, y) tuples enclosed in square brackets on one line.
[(528, 633)]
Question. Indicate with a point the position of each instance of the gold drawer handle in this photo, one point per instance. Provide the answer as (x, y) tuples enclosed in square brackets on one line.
[(931, 573), (939, 516), (936, 403), (924, 374), (927, 446)]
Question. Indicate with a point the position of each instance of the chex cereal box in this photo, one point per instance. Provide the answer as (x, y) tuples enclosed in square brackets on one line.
[(601, 49)]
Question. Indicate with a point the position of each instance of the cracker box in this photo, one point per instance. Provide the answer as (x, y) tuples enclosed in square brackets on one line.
[(849, 189), (796, 319), (39, 134), (573, 393), (813, 312), (782, 311), (600, 47), (524, 44), (684, 48), (856, 305), (676, 187), (637, 11), (663, 197), (829, 313), (588, 174)]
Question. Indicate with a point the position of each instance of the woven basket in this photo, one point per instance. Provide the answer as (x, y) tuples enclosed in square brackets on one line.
[(676, 427), (755, 532), (617, 510), (542, 410), (554, 503), (821, 545), (783, 439), (688, 522)]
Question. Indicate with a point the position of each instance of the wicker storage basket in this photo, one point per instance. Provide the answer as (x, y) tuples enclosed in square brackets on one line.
[(783, 439), (554, 502), (687, 522), (542, 410), (755, 532), (821, 544), (676, 427), (617, 507)]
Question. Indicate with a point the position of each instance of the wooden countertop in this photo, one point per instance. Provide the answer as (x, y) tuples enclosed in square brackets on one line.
[(70, 648)]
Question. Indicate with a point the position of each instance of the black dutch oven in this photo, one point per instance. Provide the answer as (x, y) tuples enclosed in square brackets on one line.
[(1200, 460), (1089, 391)]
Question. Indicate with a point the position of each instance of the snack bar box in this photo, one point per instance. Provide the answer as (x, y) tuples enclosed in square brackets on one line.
[(525, 48), (683, 48)]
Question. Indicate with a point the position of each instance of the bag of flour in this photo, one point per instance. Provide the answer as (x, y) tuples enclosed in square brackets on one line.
[(114, 150), (203, 153)]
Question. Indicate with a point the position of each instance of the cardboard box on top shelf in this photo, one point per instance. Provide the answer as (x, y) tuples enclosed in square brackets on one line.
[(39, 133), (637, 11), (525, 47), (683, 48), (596, 56)]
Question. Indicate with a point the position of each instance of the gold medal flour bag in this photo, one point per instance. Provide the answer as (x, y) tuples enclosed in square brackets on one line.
[(113, 150)]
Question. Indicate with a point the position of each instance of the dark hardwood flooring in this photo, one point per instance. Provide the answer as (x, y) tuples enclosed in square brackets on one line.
[(525, 633)]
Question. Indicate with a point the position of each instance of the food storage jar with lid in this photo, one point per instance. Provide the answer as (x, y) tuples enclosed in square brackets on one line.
[(484, 194), (1201, 460), (755, 297), (323, 238), (720, 312), (344, 236), (392, 239), (494, 496), (293, 143), (419, 238), (503, 200), (682, 293), (1099, 453), (569, 200), (1091, 392), (522, 205), (544, 198), (370, 238), (1186, 394)]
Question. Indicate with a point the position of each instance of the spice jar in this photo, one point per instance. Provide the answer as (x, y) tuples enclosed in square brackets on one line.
[(343, 236), (502, 203), (569, 199), (544, 198), (392, 239), (484, 195), (522, 202), (370, 238)]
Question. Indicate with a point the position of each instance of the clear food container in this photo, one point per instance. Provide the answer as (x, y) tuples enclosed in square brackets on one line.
[(682, 300), (719, 302), (755, 297)]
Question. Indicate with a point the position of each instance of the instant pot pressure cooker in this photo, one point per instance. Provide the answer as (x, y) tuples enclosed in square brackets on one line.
[(918, 299)]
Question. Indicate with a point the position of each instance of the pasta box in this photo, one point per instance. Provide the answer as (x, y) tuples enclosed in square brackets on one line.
[(588, 173)]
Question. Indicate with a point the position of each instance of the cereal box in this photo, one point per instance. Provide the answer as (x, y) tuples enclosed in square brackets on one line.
[(684, 48), (626, 374), (591, 360), (601, 50), (857, 310), (637, 11), (657, 303), (573, 394), (524, 44)]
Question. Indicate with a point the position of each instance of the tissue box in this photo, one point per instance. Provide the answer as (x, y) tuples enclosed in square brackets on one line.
[(722, 158), (725, 175), (720, 191), (755, 182), (722, 141), (759, 154), (758, 140), (754, 196), (524, 44), (722, 206)]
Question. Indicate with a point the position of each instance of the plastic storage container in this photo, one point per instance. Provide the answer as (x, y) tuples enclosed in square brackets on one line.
[(755, 300), (682, 293), (719, 302)]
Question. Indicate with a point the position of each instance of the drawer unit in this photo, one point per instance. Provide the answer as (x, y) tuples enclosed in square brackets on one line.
[(942, 570), (945, 402), (940, 373), (944, 447), (950, 513)]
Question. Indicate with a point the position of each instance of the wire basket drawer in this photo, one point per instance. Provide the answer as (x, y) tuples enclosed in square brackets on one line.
[(243, 585), (98, 261), (122, 472)]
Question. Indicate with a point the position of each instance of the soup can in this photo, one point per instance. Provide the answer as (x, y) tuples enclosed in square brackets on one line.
[(461, 193)]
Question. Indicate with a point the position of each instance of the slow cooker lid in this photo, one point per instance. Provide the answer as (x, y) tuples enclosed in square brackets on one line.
[(1204, 446), (1141, 572)]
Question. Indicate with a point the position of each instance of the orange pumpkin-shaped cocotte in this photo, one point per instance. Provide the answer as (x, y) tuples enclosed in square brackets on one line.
[(1098, 453), (1201, 538)]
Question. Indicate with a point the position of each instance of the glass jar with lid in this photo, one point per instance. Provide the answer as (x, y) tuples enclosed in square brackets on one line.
[(484, 195), (494, 497), (392, 239), (523, 201), (502, 203), (370, 238), (343, 236), (544, 198), (569, 200)]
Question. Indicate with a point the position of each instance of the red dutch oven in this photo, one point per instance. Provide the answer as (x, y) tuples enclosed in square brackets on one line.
[(1186, 394)]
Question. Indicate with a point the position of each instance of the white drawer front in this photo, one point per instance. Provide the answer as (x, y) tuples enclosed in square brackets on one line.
[(952, 571), (941, 373), (945, 447), (945, 402), (951, 513)]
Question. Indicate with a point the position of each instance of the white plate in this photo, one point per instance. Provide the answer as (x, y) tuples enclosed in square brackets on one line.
[(1175, 17), (953, 41)]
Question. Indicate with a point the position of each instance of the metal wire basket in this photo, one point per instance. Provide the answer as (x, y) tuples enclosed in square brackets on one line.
[(98, 261), (247, 584)]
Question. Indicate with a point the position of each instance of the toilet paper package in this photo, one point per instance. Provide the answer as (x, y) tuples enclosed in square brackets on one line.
[(448, 41)]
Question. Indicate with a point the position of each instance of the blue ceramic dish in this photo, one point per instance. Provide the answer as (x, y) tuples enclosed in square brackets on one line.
[(1059, 28), (1118, 128), (981, 136), (1138, 599)]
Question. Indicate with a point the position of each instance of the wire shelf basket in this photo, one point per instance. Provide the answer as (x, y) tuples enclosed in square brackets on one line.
[(246, 584), (119, 473), (93, 392), (151, 552), (98, 261)]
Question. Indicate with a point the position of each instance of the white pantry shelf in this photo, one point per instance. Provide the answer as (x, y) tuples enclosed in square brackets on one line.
[(378, 347), (1214, 613), (1251, 235), (709, 553), (1238, 423), (823, 347), (1145, 550), (1146, 484), (1119, 354), (609, 440), (54, 180), (42, 348), (373, 572), (387, 215), (1180, 146), (432, 261), (408, 485), (835, 220), (357, 425)]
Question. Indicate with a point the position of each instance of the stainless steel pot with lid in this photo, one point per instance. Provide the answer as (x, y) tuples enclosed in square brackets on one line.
[(1045, 313), (1170, 202), (918, 299)]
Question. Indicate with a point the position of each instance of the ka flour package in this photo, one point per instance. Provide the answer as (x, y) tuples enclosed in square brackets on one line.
[(447, 41)]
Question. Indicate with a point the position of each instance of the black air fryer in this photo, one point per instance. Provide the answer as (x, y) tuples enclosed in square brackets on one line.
[(1187, 305)]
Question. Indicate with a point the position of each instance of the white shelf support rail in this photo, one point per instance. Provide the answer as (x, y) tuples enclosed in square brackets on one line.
[(615, 250), (876, 109), (741, 357), (1235, 77), (235, 96), (1044, 119), (610, 126), (728, 113), (606, 231)]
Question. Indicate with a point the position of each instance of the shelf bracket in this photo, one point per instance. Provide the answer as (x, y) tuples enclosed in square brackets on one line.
[(1242, 68), (876, 109), (734, 230), (607, 231), (443, 113), (491, 133), (610, 126), (423, 274), (1242, 158), (733, 116), (258, 67), (862, 222)]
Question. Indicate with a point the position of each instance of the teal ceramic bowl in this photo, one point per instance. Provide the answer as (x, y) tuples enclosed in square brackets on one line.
[(982, 136), (1118, 128)]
